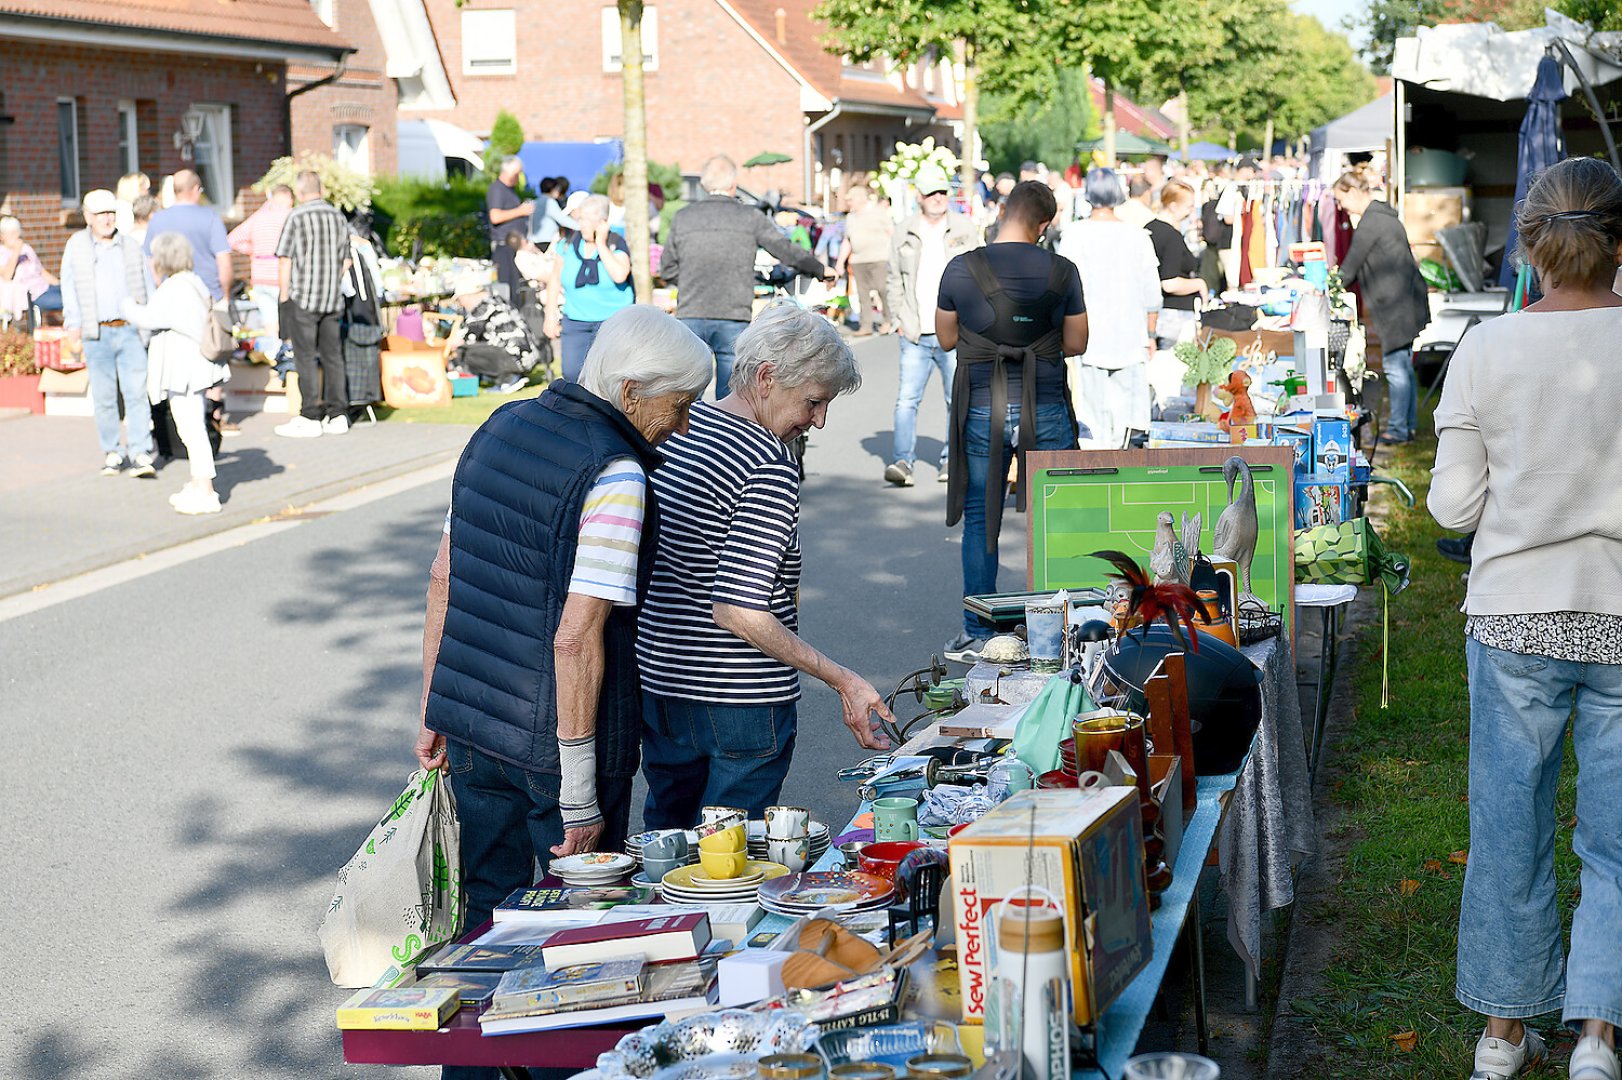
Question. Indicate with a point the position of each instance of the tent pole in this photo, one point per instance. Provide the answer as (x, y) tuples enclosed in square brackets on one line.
[(1593, 102)]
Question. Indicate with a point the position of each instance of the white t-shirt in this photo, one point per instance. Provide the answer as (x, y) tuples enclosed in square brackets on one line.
[(1120, 277), (931, 265)]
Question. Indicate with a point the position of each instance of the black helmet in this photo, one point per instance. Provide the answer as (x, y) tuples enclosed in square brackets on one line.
[(1224, 692)]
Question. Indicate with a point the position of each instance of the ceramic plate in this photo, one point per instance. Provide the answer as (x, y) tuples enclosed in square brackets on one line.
[(684, 878), (592, 864), (817, 889)]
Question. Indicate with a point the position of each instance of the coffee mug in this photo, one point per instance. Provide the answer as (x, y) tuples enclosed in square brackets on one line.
[(723, 864), (791, 853), (710, 815), (669, 845), (724, 842), (787, 822), (656, 869), (895, 818)]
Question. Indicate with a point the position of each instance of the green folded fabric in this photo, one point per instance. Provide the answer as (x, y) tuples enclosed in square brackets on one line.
[(1047, 722)]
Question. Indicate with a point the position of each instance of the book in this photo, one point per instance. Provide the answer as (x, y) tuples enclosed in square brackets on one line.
[(864, 1001), (534, 987), (730, 921), (475, 987), (537, 904), (669, 991), (464, 958), (670, 937), (412, 1008)]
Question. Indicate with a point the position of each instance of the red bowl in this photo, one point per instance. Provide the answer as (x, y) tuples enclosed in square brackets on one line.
[(1067, 749), (884, 858), (955, 829), (1058, 778)]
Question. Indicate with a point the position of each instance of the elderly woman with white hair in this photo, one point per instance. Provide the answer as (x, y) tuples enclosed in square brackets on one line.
[(718, 643), (176, 369), (1120, 277), (593, 282), (530, 692)]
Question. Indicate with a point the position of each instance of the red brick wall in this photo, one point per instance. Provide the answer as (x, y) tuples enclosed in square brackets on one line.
[(365, 95), (34, 74), (716, 90)]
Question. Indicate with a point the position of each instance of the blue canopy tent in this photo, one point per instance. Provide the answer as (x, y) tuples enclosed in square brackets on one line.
[(1542, 144), (579, 161), (1209, 151)]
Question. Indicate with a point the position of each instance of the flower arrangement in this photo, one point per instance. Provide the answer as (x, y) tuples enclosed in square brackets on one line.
[(344, 188), (898, 171), (16, 353)]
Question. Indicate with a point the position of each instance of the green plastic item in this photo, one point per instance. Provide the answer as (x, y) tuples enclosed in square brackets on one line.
[(1350, 553), (1440, 277), (1047, 722)]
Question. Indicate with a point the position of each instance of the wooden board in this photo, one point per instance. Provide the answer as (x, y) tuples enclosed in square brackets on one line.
[(1089, 500)]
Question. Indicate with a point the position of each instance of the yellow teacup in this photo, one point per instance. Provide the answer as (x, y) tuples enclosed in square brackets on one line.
[(724, 842), (723, 864)]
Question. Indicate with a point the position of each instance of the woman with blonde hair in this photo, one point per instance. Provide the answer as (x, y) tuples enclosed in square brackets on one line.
[(131, 186), (176, 369), (1526, 456)]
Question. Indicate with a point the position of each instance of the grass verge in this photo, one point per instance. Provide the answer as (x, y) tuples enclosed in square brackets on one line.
[(472, 411), (1401, 777)]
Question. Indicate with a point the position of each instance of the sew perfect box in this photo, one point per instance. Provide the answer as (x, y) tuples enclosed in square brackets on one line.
[(1084, 848)]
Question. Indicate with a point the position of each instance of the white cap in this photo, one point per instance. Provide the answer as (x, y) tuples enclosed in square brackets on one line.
[(576, 197), (100, 201), (930, 180), (469, 282)]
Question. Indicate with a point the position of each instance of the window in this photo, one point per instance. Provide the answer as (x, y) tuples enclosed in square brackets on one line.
[(489, 43), (326, 11), (129, 150), (211, 153), (611, 39), (349, 148), (67, 149)]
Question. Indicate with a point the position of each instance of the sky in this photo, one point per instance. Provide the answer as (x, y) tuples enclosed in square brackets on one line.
[(1331, 12)]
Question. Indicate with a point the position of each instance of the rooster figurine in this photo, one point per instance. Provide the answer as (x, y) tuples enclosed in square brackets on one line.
[(1146, 602)]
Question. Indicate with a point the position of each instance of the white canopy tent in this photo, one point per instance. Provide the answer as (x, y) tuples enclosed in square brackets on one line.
[(1483, 60), (1363, 130)]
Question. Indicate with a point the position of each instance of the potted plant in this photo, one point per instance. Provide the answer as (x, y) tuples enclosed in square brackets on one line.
[(1208, 365), (19, 377)]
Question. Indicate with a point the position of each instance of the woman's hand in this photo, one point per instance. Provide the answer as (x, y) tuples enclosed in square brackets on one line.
[(431, 750), (860, 701)]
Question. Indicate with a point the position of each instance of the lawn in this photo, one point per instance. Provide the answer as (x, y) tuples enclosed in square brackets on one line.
[(1400, 775), (465, 410)]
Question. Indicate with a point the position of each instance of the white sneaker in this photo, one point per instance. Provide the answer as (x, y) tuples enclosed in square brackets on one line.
[(512, 385), (142, 468), (112, 464), (335, 425), (196, 501), (1498, 1059), (300, 427), (1592, 1059)]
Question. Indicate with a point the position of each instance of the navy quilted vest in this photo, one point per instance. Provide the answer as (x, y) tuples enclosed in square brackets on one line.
[(515, 506)]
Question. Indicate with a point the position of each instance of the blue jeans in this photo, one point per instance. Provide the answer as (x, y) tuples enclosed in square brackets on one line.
[(117, 362), (1401, 398), (576, 343), (721, 335), (510, 819), (1053, 432), (918, 359), (1510, 962), (695, 754)]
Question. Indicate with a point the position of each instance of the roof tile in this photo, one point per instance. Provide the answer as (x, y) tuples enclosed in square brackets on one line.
[(290, 22)]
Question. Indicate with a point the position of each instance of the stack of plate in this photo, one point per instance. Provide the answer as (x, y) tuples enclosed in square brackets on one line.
[(633, 845), (805, 894), (758, 849), (592, 868), (692, 885)]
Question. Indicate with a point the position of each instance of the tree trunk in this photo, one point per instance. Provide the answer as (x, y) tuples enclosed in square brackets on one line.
[(1109, 124), (1182, 123), (971, 121), (636, 147), (1267, 139)]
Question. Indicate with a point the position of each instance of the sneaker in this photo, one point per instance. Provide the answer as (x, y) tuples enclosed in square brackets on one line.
[(964, 649), (942, 476), (195, 501), (142, 468), (899, 474), (512, 385), (230, 429), (1497, 1059), (112, 464), (300, 427), (335, 425), (1592, 1059), (1456, 548)]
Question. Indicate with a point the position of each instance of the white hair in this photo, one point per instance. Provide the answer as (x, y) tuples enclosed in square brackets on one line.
[(718, 175), (171, 254), (642, 344), (801, 346), (10, 224), (594, 204)]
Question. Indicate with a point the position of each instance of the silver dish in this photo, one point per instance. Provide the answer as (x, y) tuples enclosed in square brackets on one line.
[(643, 1054)]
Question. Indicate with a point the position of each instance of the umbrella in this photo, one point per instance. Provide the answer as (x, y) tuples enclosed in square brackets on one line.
[(1542, 144), (770, 157), (1209, 151), (1127, 144)]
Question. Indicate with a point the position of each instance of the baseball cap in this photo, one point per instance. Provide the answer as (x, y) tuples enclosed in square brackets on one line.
[(929, 181), (576, 197), (100, 201)]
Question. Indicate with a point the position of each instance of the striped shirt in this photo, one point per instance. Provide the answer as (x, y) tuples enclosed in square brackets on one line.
[(316, 238), (610, 534), (729, 502), (257, 238)]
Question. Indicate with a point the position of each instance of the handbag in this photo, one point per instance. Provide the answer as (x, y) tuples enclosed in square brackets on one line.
[(218, 343)]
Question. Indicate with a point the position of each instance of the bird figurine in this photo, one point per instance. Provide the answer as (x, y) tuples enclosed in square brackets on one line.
[(1146, 602), (1234, 538), (1191, 546), (1173, 556)]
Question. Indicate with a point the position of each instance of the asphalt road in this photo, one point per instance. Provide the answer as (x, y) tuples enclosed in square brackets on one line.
[(194, 753)]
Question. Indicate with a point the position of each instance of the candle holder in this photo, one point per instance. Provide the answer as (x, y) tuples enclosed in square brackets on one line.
[(1127, 733)]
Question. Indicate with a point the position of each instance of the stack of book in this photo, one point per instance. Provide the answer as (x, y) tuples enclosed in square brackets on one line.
[(578, 995)]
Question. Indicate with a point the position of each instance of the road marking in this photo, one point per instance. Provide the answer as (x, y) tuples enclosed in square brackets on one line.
[(59, 592)]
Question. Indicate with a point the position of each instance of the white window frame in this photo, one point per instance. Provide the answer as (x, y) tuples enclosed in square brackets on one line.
[(217, 137), (489, 31), (129, 143), (360, 157), (611, 39), (68, 163)]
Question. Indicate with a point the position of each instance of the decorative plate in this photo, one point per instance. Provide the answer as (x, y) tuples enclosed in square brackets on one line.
[(592, 864), (820, 888)]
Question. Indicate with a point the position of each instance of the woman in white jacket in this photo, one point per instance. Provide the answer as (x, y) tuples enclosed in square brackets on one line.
[(1120, 281), (177, 371)]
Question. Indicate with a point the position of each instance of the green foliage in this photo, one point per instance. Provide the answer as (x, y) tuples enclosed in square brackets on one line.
[(434, 217), (506, 138), (346, 189), (1046, 130), (668, 177), (16, 353)]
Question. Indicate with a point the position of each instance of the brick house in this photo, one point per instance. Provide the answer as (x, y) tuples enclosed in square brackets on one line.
[(739, 77), (93, 89), (353, 117)]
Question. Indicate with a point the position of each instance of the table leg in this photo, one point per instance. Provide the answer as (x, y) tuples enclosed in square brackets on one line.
[(1197, 944), (1328, 636)]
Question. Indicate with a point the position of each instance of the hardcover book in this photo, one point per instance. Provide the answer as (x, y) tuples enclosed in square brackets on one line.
[(534, 987), (475, 987), (543, 905), (463, 958), (669, 991), (412, 1008), (673, 937)]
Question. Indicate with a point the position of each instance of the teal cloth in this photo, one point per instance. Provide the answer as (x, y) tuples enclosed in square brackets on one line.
[(1047, 722)]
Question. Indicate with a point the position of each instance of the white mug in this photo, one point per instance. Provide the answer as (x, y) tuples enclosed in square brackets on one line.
[(787, 822), (791, 853)]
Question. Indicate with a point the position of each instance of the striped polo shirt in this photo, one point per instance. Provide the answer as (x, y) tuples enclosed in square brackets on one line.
[(729, 513)]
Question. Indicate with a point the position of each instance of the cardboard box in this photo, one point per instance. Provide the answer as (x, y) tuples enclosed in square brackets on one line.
[(1425, 210), (1301, 442), (1322, 500), (1332, 447), (67, 393), (1086, 849)]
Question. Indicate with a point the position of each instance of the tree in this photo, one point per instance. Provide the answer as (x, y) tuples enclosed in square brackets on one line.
[(1387, 20), (636, 146), (506, 139), (1046, 129), (1113, 37)]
